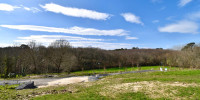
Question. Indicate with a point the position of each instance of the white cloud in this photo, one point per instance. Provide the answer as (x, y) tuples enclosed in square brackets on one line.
[(26, 8), (129, 17), (5, 44), (155, 21), (181, 27), (75, 12), (194, 15), (171, 18), (71, 30), (183, 2), (51, 38), (74, 41), (7, 7), (131, 38), (103, 45)]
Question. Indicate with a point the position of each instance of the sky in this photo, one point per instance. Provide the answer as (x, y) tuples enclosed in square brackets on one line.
[(106, 24)]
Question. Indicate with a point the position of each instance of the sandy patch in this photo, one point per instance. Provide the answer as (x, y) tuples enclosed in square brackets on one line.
[(66, 81)]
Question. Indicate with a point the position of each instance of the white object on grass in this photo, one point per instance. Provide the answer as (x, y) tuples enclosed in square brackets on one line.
[(165, 69), (161, 69)]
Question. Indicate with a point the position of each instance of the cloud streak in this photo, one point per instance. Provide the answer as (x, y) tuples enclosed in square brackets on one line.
[(72, 30), (194, 16), (52, 38), (75, 12), (155, 21), (183, 2), (181, 27), (32, 9), (74, 41), (102, 45), (129, 17), (7, 7), (131, 38)]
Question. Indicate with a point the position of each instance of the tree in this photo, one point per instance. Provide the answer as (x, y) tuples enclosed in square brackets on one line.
[(8, 64), (34, 56), (59, 54), (189, 46)]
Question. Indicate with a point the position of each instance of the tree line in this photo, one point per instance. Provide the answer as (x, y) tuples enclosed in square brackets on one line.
[(60, 56), (187, 57)]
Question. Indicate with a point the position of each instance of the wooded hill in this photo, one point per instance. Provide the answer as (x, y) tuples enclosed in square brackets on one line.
[(60, 56)]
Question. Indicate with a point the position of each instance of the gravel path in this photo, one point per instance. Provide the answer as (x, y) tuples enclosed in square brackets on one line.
[(43, 82), (37, 82)]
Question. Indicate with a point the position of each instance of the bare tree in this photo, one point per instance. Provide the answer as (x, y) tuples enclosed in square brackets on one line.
[(60, 54)]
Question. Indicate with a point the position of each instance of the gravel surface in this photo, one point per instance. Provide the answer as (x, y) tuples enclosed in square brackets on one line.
[(48, 81)]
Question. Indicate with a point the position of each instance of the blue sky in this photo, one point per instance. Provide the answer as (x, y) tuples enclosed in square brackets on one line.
[(101, 23)]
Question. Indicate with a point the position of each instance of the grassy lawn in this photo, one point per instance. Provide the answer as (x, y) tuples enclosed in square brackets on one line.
[(179, 84), (182, 84), (122, 69)]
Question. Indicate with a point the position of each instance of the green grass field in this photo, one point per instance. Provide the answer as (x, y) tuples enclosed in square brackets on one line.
[(171, 85), (122, 69)]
